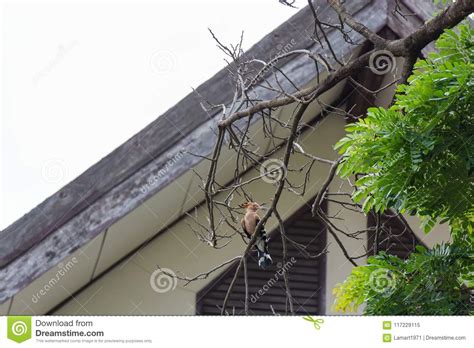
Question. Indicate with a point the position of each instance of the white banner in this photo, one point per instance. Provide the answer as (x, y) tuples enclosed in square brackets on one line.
[(228, 332)]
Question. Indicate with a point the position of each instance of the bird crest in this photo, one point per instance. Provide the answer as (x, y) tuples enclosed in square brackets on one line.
[(254, 206)]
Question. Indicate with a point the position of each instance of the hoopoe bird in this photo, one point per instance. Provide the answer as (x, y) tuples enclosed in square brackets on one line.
[(249, 224)]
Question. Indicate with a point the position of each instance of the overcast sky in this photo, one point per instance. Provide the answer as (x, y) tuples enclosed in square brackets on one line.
[(80, 78)]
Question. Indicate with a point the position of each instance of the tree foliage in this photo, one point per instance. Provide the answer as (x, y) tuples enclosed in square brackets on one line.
[(418, 157), (429, 282)]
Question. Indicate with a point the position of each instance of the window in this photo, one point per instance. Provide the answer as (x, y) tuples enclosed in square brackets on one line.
[(267, 287)]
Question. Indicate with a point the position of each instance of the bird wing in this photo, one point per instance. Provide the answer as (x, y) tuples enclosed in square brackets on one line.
[(257, 221)]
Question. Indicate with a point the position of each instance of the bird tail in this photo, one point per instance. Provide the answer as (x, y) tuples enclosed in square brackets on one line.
[(264, 258)]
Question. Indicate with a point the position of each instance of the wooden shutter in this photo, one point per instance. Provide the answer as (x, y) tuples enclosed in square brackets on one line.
[(306, 275), (394, 239)]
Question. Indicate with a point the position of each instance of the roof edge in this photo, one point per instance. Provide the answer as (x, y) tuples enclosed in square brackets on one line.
[(125, 194), (159, 137)]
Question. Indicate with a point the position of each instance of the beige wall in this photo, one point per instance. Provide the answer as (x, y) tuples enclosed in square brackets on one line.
[(440, 233), (179, 250), (338, 267), (126, 287)]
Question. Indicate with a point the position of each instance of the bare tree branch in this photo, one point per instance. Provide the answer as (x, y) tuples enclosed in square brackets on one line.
[(283, 134)]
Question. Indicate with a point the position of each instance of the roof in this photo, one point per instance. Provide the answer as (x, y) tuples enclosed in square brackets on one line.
[(112, 187)]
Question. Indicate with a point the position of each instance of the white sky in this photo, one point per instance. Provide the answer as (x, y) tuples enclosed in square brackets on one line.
[(80, 78)]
